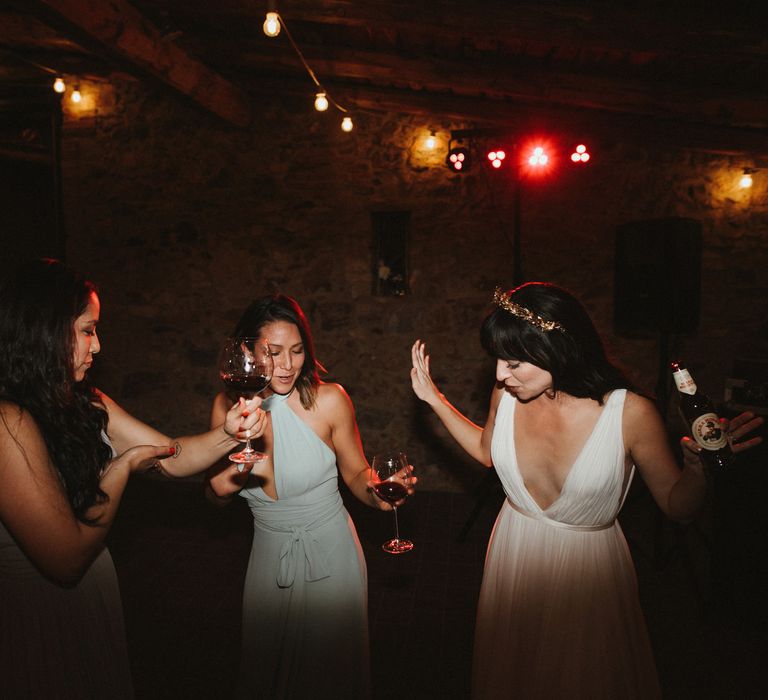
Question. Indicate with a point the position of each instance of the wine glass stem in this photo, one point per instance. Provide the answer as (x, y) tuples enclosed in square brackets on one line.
[(397, 527)]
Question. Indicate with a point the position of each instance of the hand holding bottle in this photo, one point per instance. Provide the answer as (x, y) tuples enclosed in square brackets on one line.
[(715, 439)]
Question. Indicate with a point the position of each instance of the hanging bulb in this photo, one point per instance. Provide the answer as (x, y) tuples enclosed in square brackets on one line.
[(431, 141), (76, 96), (321, 102), (746, 179), (58, 85), (347, 125), (271, 24)]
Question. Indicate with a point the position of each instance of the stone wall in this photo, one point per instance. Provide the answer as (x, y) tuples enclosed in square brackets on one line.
[(183, 219)]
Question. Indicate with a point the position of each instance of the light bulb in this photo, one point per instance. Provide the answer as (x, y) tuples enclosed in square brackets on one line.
[(746, 181), (431, 141), (271, 24), (321, 102), (346, 124), (58, 85), (76, 96)]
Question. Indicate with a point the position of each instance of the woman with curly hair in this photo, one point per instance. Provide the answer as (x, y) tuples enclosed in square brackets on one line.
[(66, 453)]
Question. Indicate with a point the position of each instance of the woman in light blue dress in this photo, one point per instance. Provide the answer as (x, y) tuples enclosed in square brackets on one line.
[(305, 607)]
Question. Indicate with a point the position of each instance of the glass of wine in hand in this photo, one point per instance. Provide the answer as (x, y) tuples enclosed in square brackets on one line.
[(246, 369), (390, 477)]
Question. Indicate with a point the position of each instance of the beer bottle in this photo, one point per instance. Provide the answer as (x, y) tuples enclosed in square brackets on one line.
[(706, 428)]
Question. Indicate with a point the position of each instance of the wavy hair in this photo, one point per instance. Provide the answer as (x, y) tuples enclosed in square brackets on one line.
[(280, 307), (39, 303), (575, 357)]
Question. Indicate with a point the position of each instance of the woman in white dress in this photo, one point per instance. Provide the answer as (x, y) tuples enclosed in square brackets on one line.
[(559, 614), (66, 452)]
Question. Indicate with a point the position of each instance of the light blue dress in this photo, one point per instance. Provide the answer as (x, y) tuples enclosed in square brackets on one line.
[(305, 601)]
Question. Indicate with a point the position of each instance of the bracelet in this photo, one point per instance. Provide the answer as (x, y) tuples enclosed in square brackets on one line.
[(228, 434)]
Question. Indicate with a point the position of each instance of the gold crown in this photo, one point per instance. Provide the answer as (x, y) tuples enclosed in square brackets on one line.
[(501, 298)]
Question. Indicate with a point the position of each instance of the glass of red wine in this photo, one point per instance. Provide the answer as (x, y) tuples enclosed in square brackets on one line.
[(246, 369), (390, 474)]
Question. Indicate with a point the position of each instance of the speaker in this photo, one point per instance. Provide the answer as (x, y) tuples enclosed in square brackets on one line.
[(657, 276)]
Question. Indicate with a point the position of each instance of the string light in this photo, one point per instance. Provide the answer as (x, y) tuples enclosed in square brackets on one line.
[(272, 25), (746, 179), (76, 96), (321, 102), (58, 85), (431, 141)]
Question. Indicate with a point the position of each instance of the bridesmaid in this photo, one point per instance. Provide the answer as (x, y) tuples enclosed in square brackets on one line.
[(66, 453), (559, 614), (305, 600)]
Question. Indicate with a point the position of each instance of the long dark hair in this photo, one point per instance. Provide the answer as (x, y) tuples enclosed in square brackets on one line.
[(574, 356), (39, 303), (280, 307)]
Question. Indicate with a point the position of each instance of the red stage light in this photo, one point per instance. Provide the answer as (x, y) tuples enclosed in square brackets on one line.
[(580, 154), (538, 157), (496, 158), (458, 159)]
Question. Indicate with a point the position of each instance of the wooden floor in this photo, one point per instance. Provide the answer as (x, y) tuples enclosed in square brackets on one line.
[(181, 564)]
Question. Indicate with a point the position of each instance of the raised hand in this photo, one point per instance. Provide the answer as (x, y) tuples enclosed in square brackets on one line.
[(421, 380)]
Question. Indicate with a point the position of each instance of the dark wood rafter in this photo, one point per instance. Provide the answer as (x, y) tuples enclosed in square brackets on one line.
[(657, 65), (122, 29)]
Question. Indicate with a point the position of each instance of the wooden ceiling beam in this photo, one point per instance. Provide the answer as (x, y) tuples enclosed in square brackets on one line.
[(520, 80), (516, 116), (125, 32)]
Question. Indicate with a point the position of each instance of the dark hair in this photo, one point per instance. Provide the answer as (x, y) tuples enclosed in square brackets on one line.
[(39, 303), (280, 307), (575, 357)]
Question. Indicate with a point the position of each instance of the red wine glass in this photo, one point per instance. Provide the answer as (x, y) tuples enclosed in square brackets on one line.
[(390, 477), (246, 369)]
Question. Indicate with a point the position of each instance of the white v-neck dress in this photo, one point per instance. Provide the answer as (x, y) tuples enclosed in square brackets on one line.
[(559, 614)]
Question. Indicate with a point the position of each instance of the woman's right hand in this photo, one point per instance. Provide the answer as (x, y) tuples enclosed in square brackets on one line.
[(421, 380), (141, 458)]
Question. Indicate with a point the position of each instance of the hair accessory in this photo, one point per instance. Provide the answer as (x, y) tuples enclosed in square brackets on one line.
[(502, 299)]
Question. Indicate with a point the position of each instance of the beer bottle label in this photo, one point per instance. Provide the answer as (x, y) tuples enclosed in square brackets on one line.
[(708, 432), (684, 382)]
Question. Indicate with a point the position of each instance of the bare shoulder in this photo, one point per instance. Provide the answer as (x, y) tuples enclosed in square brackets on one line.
[(16, 421), (108, 402), (640, 416), (12, 417), (638, 407), (20, 435), (333, 397)]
